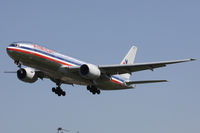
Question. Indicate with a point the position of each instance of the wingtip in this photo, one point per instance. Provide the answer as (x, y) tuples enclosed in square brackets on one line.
[(192, 59)]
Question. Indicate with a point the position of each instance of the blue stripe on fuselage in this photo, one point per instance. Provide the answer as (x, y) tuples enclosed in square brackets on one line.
[(118, 78), (51, 55)]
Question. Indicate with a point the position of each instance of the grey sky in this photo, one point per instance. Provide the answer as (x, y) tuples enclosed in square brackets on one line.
[(102, 32)]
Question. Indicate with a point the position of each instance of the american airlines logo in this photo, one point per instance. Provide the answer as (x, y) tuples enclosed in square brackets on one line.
[(43, 48), (125, 62)]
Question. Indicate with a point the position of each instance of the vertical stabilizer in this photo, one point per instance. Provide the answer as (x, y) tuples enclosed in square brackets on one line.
[(129, 59)]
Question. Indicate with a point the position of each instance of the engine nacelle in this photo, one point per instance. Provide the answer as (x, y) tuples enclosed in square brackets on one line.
[(90, 71), (27, 75)]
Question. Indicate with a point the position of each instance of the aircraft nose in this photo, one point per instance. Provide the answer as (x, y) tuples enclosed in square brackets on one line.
[(8, 50)]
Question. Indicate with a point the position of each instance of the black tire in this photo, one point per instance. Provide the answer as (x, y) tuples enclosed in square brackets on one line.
[(88, 88), (53, 89), (59, 90), (56, 91), (59, 94), (98, 92), (63, 93), (93, 92)]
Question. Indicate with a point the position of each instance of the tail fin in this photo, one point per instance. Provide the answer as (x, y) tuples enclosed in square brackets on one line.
[(129, 59)]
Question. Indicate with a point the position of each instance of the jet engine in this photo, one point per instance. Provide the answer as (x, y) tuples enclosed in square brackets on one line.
[(27, 75), (90, 71)]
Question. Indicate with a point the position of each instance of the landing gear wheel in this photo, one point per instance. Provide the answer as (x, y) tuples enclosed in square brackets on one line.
[(63, 93), (93, 90), (58, 91), (53, 89), (98, 92), (88, 88)]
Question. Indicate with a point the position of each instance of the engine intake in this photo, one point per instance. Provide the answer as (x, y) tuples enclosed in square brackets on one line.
[(90, 71), (27, 75)]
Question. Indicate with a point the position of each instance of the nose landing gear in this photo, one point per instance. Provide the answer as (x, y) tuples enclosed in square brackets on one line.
[(18, 63)]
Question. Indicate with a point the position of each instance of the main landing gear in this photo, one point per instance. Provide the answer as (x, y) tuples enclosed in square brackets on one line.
[(93, 90), (58, 90)]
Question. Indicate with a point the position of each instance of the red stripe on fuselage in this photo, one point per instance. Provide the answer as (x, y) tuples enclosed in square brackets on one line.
[(116, 81), (36, 54), (42, 56)]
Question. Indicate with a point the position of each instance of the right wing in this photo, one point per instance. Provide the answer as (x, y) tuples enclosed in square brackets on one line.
[(120, 69)]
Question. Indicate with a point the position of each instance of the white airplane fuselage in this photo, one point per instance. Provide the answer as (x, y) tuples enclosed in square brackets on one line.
[(55, 66)]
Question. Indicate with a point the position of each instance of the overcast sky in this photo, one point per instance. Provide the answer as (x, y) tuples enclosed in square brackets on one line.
[(102, 32)]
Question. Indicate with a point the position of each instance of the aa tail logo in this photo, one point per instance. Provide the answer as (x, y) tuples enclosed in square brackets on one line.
[(125, 62)]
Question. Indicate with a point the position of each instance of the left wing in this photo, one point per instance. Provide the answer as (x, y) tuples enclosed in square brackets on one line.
[(39, 74), (120, 69)]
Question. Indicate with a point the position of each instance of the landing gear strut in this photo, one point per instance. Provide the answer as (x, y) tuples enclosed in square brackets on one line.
[(93, 90), (18, 63), (58, 90)]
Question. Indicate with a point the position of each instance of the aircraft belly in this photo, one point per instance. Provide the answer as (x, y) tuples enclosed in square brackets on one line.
[(109, 85), (69, 80), (74, 78)]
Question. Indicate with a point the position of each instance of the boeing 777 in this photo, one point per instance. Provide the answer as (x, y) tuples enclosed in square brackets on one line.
[(61, 69)]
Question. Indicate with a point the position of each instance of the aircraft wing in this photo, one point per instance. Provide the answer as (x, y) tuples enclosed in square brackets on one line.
[(40, 74), (120, 69)]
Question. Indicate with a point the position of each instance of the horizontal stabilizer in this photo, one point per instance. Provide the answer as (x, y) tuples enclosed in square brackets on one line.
[(145, 82)]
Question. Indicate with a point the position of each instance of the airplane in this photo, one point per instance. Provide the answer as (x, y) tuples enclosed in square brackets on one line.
[(42, 63)]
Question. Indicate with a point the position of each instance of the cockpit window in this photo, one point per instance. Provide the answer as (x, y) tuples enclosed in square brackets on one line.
[(14, 45)]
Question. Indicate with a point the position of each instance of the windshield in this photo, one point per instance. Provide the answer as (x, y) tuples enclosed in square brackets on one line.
[(14, 45)]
